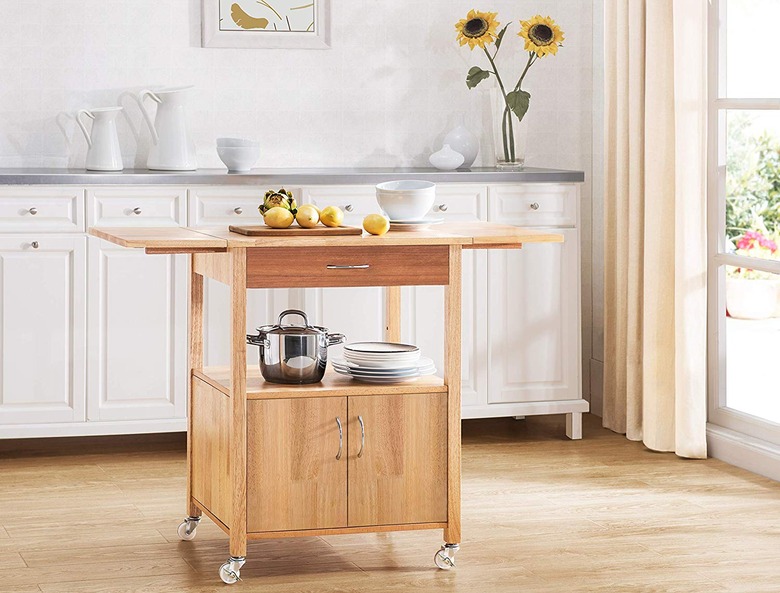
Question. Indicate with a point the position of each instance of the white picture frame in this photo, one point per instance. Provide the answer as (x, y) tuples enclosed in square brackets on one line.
[(220, 29)]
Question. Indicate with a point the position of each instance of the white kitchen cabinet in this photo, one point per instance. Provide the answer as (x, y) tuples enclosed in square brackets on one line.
[(422, 314), (137, 334), (42, 329)]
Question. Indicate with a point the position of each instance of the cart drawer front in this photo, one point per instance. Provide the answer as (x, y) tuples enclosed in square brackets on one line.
[(306, 267)]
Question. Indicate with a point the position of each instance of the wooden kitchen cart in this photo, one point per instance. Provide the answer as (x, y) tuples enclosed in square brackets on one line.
[(272, 461)]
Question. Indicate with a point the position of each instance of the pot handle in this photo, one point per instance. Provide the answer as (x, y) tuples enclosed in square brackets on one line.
[(334, 339), (298, 312), (258, 340)]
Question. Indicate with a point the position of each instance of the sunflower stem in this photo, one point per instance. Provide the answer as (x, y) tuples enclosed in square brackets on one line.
[(532, 57), (509, 137)]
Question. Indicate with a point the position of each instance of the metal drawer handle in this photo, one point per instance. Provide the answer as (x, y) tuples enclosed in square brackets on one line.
[(362, 436), (535, 206), (349, 208), (35, 245), (341, 438), (33, 211), (441, 208), (136, 211), (356, 267), (238, 210)]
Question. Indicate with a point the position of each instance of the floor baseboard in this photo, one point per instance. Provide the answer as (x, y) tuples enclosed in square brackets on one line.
[(749, 453)]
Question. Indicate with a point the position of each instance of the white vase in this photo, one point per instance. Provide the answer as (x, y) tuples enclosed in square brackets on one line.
[(751, 299), (461, 140), (446, 159)]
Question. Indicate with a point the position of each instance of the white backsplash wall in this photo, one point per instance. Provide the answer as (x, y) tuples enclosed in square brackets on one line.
[(387, 91)]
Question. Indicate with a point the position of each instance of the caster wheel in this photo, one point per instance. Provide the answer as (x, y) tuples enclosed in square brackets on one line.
[(230, 572), (445, 557), (187, 529)]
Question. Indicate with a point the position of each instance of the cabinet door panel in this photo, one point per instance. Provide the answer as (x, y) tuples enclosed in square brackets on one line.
[(42, 329), (138, 334), (534, 322), (401, 476), (294, 480)]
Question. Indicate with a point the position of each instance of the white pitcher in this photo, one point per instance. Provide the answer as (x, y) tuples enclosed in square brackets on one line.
[(103, 153), (173, 148)]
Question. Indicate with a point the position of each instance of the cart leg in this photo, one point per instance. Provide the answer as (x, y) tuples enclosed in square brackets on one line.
[(452, 357), (238, 408), (196, 363), (393, 313), (574, 425)]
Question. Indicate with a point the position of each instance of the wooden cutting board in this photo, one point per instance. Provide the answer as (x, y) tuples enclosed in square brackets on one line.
[(295, 231)]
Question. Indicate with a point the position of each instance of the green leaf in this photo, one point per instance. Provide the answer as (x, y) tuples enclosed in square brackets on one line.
[(475, 76), (500, 37), (518, 102)]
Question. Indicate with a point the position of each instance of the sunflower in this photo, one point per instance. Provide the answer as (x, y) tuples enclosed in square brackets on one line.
[(542, 36), (478, 28)]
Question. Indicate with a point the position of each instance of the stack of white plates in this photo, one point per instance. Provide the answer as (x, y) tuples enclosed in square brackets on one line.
[(383, 362)]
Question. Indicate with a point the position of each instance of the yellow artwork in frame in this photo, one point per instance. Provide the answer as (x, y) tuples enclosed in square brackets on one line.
[(266, 23)]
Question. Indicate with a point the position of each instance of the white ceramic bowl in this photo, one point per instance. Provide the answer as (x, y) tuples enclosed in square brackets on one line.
[(406, 200), (238, 158), (237, 142)]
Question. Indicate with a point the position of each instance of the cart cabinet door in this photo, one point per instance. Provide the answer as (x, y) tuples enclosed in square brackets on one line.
[(296, 478), (398, 459)]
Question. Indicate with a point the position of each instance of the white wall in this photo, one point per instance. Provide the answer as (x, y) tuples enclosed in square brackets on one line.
[(387, 91)]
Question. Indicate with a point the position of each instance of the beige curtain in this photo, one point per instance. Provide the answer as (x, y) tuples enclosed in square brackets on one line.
[(655, 223)]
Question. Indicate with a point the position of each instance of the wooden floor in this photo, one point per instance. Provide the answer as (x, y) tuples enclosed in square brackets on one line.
[(541, 515)]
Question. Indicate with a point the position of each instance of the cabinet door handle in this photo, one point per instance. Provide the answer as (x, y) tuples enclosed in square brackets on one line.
[(137, 211), (441, 208), (238, 210), (341, 437), (34, 245), (33, 211), (349, 207), (353, 267), (362, 436), (535, 206)]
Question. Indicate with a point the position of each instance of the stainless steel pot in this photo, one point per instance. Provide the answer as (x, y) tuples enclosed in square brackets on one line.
[(293, 353)]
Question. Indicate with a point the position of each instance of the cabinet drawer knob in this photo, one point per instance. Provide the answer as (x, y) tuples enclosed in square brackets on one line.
[(362, 436), (238, 210), (136, 211), (35, 245), (441, 208), (33, 211), (341, 437), (352, 267), (349, 207), (534, 205)]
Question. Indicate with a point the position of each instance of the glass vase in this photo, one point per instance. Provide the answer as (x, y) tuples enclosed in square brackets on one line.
[(509, 134)]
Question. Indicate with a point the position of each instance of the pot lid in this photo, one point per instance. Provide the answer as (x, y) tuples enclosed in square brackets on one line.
[(293, 330)]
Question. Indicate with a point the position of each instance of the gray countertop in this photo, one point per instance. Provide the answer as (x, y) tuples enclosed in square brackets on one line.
[(310, 176)]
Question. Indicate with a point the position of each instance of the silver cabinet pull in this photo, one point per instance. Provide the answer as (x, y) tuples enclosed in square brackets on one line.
[(34, 245), (353, 267), (33, 211), (238, 210), (136, 211), (535, 206), (442, 208), (349, 208), (341, 438), (362, 436)]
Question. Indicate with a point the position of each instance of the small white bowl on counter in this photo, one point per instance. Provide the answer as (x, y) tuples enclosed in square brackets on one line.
[(238, 154), (409, 199)]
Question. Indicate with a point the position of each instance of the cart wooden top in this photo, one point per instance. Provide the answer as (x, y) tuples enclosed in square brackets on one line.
[(470, 235)]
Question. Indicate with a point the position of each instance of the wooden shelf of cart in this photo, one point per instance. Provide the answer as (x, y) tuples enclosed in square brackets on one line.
[(268, 461)]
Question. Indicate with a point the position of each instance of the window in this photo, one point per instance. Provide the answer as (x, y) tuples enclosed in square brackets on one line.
[(744, 217)]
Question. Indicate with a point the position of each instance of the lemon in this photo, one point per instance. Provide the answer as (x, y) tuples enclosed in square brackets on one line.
[(376, 224), (331, 216), (308, 217), (278, 218)]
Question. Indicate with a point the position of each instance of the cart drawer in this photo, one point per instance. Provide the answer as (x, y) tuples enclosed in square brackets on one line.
[(304, 267)]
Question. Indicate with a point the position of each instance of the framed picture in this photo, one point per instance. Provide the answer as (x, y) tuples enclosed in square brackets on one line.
[(266, 23)]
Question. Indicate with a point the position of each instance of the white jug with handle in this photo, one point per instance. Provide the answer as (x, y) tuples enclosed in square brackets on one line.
[(173, 148), (103, 153)]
